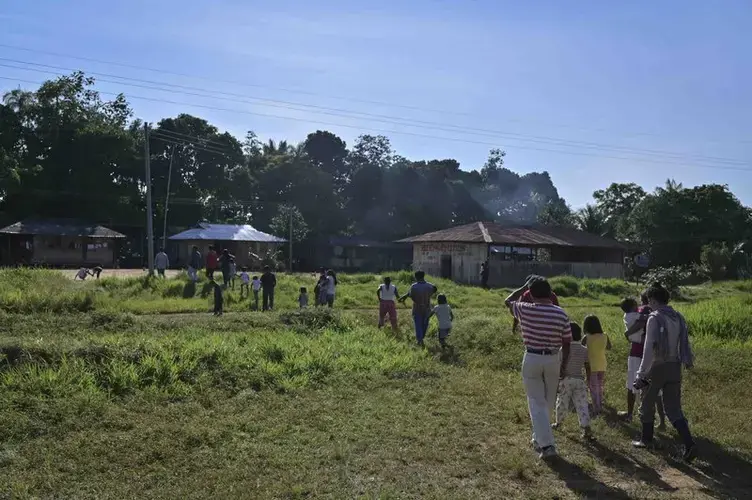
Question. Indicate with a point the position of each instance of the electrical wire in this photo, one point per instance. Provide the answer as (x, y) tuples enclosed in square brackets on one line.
[(335, 97), (392, 120), (413, 134)]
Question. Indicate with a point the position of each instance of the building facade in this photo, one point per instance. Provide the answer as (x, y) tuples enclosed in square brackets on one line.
[(249, 245), (59, 243), (514, 252)]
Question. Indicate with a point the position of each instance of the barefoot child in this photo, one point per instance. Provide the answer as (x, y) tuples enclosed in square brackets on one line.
[(445, 316), (572, 387), (597, 343), (256, 287)]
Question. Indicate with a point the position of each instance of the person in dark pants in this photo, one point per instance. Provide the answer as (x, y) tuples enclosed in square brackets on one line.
[(268, 283), (484, 273), (666, 351), (219, 300)]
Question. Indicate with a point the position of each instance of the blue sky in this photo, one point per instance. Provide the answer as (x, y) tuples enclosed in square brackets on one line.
[(550, 82)]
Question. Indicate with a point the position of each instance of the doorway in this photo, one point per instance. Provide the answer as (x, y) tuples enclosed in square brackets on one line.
[(446, 266)]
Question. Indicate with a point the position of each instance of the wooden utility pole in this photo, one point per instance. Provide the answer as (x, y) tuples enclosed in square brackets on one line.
[(167, 198), (149, 214)]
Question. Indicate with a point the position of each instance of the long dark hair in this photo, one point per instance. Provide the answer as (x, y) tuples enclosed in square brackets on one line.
[(333, 275), (592, 324), (658, 293)]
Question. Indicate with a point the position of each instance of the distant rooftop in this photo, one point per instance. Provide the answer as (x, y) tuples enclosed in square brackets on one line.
[(532, 235), (226, 232), (60, 227)]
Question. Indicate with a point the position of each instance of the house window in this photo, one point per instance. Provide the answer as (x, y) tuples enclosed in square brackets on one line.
[(509, 252)]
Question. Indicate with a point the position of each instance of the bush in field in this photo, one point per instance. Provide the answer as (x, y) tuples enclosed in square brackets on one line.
[(715, 260), (315, 319), (670, 277), (565, 286)]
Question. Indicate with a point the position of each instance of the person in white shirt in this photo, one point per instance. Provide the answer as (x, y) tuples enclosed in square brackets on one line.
[(445, 316), (233, 267), (256, 287), (387, 295), (161, 262), (245, 282), (331, 287)]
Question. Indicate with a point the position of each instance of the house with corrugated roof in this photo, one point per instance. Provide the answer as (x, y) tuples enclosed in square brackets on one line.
[(244, 241), (59, 243), (514, 252)]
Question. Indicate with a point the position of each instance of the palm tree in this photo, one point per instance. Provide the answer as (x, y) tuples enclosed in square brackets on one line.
[(591, 220), (670, 187)]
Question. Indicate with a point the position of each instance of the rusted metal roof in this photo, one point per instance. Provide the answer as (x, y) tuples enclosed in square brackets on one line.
[(60, 227), (533, 235)]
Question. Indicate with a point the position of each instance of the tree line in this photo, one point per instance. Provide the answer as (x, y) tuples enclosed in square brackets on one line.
[(66, 152)]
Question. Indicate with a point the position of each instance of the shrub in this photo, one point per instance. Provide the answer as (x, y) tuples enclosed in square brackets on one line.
[(565, 286), (670, 277), (314, 319), (715, 260)]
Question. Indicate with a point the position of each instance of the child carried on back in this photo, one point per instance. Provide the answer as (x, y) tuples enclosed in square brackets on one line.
[(572, 387)]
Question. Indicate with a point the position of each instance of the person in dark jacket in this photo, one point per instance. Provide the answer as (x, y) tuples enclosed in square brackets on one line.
[(268, 283), (219, 300), (194, 264), (484, 274), (226, 261)]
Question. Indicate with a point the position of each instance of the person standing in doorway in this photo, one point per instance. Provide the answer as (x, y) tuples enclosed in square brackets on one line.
[(420, 292), (161, 262), (545, 332), (387, 294), (666, 351), (484, 274), (211, 263), (268, 283), (194, 264)]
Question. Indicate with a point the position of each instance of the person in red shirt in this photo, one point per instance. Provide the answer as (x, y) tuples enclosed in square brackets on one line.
[(212, 261)]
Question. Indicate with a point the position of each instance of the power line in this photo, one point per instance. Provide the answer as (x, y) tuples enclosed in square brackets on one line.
[(339, 98), (392, 120), (413, 134), (183, 142), (181, 135)]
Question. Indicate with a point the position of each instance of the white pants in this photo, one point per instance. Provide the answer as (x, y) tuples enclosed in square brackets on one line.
[(540, 374), (192, 274)]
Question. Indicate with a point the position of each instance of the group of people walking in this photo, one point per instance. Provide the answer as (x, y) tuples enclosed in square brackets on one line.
[(556, 356)]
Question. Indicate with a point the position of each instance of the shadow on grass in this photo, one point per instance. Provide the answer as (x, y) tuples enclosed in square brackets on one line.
[(189, 290), (448, 355), (582, 483), (629, 466), (723, 473)]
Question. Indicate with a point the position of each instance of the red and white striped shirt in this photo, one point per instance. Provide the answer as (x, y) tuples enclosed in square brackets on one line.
[(543, 326)]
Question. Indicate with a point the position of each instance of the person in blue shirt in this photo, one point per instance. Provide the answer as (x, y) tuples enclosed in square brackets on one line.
[(420, 292)]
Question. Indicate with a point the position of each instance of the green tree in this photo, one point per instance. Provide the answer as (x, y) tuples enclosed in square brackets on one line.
[(556, 213), (590, 219), (287, 216), (615, 204)]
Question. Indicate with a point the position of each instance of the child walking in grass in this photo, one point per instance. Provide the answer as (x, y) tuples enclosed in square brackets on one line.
[(303, 298), (445, 316), (572, 387), (245, 282), (256, 287), (597, 344)]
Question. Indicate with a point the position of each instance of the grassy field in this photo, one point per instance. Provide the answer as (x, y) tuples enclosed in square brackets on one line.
[(127, 387)]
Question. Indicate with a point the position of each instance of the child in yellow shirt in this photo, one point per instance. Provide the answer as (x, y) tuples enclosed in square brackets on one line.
[(597, 344)]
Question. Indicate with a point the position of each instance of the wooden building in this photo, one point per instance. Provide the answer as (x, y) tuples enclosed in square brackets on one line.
[(514, 252), (59, 243), (354, 254), (242, 240)]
